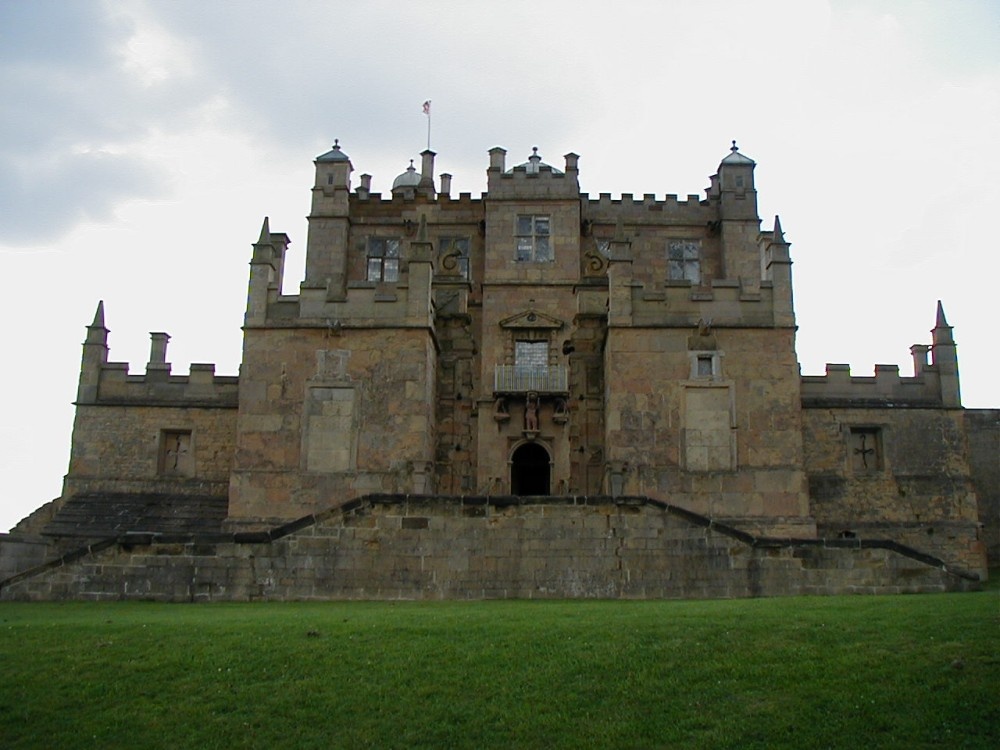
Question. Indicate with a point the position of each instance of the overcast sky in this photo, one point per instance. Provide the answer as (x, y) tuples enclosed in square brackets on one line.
[(142, 143)]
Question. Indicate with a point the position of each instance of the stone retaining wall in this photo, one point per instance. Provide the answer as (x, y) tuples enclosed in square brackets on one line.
[(407, 547)]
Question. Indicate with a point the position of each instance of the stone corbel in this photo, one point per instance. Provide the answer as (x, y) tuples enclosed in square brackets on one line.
[(616, 477), (500, 413)]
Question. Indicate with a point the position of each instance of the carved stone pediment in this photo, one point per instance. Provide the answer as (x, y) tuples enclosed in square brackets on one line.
[(531, 319)]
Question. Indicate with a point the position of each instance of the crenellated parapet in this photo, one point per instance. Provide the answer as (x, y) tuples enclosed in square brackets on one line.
[(105, 383), (362, 199), (605, 209), (534, 179), (839, 388), (726, 302), (933, 384)]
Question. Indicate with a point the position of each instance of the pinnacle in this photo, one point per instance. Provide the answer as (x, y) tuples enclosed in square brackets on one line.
[(99, 316), (941, 321), (779, 236)]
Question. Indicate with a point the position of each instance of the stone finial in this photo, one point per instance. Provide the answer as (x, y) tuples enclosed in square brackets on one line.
[(265, 233), (941, 331), (534, 161), (98, 316), (941, 321), (779, 236), (97, 332)]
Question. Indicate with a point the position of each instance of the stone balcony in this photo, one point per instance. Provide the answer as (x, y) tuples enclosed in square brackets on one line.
[(530, 379)]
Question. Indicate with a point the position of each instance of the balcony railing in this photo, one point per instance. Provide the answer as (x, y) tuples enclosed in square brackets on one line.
[(524, 379)]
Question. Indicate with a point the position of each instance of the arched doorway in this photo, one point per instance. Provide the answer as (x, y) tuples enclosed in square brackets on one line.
[(529, 470)]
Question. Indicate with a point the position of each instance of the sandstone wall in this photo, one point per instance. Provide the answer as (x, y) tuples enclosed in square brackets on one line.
[(916, 489), (983, 427), (326, 417), (120, 448), (729, 445), (400, 547)]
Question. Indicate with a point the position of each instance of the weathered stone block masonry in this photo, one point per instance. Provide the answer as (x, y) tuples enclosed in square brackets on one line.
[(533, 393)]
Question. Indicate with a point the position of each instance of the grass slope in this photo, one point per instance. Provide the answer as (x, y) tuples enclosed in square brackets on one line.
[(905, 671)]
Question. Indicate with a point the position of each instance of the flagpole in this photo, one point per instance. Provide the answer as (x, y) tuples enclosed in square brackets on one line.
[(427, 111)]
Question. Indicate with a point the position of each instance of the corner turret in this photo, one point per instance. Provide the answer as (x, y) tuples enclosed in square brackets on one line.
[(733, 187), (736, 185), (326, 244), (333, 169)]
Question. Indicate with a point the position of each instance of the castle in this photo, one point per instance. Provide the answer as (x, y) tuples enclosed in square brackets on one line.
[(500, 385)]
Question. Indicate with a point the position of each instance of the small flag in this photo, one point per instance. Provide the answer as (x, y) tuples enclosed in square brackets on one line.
[(427, 107)]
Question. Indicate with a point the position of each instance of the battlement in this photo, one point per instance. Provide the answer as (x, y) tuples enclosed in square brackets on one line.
[(363, 198), (200, 388), (110, 383), (886, 388), (648, 200), (725, 302), (649, 209), (934, 383), (532, 180)]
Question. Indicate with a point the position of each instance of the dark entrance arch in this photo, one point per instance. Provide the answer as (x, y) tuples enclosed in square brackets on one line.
[(529, 470)]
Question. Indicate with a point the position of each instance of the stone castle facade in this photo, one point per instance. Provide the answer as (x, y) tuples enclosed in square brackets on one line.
[(446, 352)]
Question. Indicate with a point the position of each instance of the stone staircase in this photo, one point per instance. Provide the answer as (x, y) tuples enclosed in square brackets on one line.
[(102, 515)]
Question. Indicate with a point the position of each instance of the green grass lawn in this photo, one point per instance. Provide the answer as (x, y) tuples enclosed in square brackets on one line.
[(841, 672)]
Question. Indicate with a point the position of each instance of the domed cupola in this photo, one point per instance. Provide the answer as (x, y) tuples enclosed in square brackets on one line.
[(410, 179), (534, 165), (735, 157), (333, 155)]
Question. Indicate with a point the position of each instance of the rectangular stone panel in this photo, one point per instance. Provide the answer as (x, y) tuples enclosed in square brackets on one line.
[(707, 432), (330, 429)]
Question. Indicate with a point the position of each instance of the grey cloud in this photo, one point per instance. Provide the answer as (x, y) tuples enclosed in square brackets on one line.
[(293, 75), (314, 70), (67, 103), (44, 202)]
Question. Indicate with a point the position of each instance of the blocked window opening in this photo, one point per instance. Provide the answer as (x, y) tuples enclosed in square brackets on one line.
[(329, 434), (866, 449), (708, 437), (176, 457)]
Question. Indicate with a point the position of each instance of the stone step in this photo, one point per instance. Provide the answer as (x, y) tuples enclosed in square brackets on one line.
[(99, 515)]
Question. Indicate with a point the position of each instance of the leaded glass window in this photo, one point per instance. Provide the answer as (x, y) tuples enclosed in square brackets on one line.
[(684, 260), (533, 239), (383, 259)]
